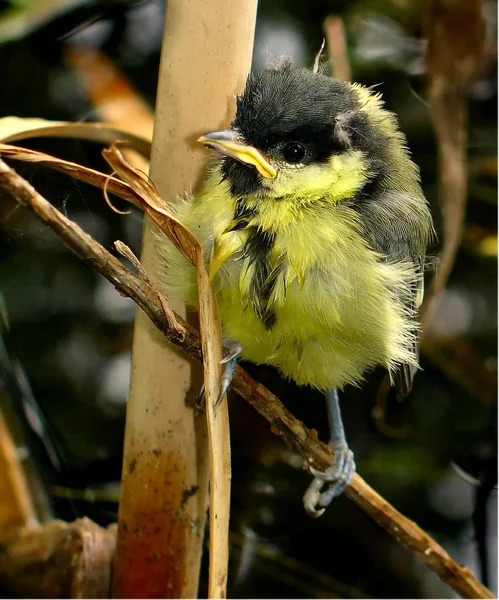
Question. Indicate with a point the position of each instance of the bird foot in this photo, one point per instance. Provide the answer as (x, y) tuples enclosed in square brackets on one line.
[(229, 363), (339, 476)]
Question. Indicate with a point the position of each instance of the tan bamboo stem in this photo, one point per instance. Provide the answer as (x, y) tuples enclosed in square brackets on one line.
[(206, 55)]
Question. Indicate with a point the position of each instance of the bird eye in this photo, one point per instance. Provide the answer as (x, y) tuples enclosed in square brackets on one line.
[(293, 152)]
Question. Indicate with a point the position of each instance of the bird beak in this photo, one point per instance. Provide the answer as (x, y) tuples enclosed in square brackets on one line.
[(228, 143)]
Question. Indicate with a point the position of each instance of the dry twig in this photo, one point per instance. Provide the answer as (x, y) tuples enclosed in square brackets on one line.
[(456, 51), (16, 507), (334, 30), (290, 429)]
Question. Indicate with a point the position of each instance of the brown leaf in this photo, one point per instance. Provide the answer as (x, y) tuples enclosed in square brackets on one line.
[(16, 129)]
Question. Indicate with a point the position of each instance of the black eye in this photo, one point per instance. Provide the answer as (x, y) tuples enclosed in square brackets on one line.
[(293, 152)]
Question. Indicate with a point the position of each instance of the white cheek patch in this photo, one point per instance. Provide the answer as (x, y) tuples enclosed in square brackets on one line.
[(342, 128)]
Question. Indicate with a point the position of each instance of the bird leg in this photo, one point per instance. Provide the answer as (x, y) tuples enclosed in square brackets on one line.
[(229, 363), (340, 473)]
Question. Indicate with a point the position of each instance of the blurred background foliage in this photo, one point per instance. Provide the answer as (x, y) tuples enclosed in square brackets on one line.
[(66, 333)]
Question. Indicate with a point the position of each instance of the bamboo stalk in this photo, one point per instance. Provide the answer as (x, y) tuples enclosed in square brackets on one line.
[(206, 55)]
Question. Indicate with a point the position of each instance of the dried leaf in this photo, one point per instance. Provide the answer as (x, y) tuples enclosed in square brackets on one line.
[(14, 129), (90, 176)]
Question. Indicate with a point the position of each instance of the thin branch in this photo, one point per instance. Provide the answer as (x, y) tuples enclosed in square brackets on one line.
[(283, 423), (17, 508), (173, 325), (334, 31), (456, 52)]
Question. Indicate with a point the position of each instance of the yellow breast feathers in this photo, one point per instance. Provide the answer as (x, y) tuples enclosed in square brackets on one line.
[(300, 290)]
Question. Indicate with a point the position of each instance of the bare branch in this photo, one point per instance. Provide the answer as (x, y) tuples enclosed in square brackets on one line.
[(173, 324), (456, 52), (283, 423), (337, 47)]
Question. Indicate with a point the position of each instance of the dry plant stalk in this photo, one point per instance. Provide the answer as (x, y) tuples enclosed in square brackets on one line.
[(456, 51), (160, 497), (16, 506), (291, 430), (193, 87), (218, 424), (334, 31)]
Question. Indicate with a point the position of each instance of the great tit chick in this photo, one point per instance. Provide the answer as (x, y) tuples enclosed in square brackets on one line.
[(315, 230)]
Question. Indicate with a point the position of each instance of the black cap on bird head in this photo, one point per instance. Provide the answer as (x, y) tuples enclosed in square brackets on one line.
[(286, 119)]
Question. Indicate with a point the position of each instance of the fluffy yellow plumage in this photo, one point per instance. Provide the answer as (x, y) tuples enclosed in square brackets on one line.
[(334, 301), (339, 308), (314, 229)]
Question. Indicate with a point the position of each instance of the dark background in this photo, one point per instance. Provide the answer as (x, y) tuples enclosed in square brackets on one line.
[(72, 332)]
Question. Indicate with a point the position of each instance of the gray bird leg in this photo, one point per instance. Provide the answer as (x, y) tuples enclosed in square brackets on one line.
[(340, 473), (229, 363)]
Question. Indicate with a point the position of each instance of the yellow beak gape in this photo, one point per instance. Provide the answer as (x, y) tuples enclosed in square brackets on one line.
[(227, 143)]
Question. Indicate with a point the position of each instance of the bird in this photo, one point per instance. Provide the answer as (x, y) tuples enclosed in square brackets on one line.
[(315, 232)]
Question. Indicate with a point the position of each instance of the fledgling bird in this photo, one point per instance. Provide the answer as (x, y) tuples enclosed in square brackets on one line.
[(315, 229)]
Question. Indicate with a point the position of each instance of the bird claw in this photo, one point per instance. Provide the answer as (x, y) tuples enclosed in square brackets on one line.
[(311, 498), (339, 476), (200, 401), (235, 351), (230, 363)]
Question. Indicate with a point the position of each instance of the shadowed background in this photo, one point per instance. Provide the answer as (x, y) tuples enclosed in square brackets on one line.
[(434, 457)]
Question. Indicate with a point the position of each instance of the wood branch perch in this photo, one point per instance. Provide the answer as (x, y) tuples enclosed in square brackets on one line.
[(283, 423)]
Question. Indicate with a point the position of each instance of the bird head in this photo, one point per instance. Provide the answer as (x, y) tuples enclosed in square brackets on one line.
[(296, 133)]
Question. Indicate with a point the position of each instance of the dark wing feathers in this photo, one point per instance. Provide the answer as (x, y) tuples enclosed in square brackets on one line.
[(398, 226)]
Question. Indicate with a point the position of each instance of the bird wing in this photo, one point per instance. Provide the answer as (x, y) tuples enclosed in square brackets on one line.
[(398, 226)]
